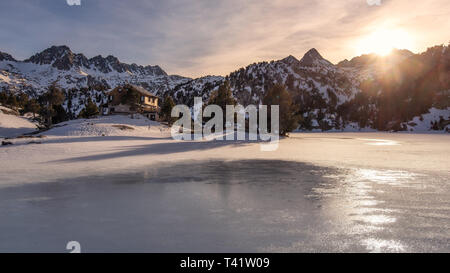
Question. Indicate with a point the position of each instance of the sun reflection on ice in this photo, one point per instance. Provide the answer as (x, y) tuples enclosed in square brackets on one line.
[(378, 219), (389, 177), (378, 245), (380, 142), (356, 205)]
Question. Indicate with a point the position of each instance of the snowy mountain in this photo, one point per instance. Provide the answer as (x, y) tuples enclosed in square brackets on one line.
[(367, 60), (316, 85), (58, 64), (62, 58), (201, 87), (6, 57), (312, 73), (366, 93), (355, 93), (313, 59), (403, 93), (371, 65)]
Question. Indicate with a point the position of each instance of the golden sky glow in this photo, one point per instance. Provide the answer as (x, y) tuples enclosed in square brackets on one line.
[(382, 41), (215, 37)]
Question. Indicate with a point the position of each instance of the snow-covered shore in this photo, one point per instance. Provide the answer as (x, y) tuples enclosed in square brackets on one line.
[(11, 124)]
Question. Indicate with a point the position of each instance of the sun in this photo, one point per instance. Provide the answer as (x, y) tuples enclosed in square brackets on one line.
[(383, 41)]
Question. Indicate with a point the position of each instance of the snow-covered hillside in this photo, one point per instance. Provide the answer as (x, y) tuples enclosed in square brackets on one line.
[(369, 66), (317, 86), (11, 124), (116, 125), (201, 87), (435, 119), (58, 64), (312, 74)]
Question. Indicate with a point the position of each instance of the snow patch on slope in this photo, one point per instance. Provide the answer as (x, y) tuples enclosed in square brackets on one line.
[(13, 125), (115, 125), (425, 121)]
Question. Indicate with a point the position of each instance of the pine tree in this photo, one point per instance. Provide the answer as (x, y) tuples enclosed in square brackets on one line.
[(60, 114), (278, 95), (22, 99), (89, 110), (12, 101), (131, 97), (3, 97), (33, 107), (222, 97), (52, 98), (166, 109)]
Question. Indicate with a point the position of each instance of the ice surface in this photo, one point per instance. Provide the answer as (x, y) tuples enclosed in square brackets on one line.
[(227, 206), (365, 192)]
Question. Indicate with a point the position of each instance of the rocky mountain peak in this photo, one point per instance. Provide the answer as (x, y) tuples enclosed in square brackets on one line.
[(6, 57), (313, 58), (313, 53), (50, 54), (99, 63), (112, 59), (155, 70), (62, 58), (290, 60)]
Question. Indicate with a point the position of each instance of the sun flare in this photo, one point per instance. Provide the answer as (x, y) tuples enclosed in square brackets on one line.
[(383, 41)]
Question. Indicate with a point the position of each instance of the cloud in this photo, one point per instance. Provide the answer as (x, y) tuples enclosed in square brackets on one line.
[(201, 37), (374, 2), (74, 2)]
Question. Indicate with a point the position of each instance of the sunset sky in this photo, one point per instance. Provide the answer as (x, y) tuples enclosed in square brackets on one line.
[(215, 37)]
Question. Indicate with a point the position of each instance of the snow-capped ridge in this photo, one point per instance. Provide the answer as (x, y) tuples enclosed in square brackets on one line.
[(74, 71), (290, 60), (60, 57), (6, 57), (63, 58)]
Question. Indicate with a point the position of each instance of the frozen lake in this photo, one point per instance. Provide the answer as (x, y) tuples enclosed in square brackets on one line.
[(244, 206), (362, 192)]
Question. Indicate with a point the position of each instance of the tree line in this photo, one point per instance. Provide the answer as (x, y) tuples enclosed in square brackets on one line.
[(47, 108), (289, 117)]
